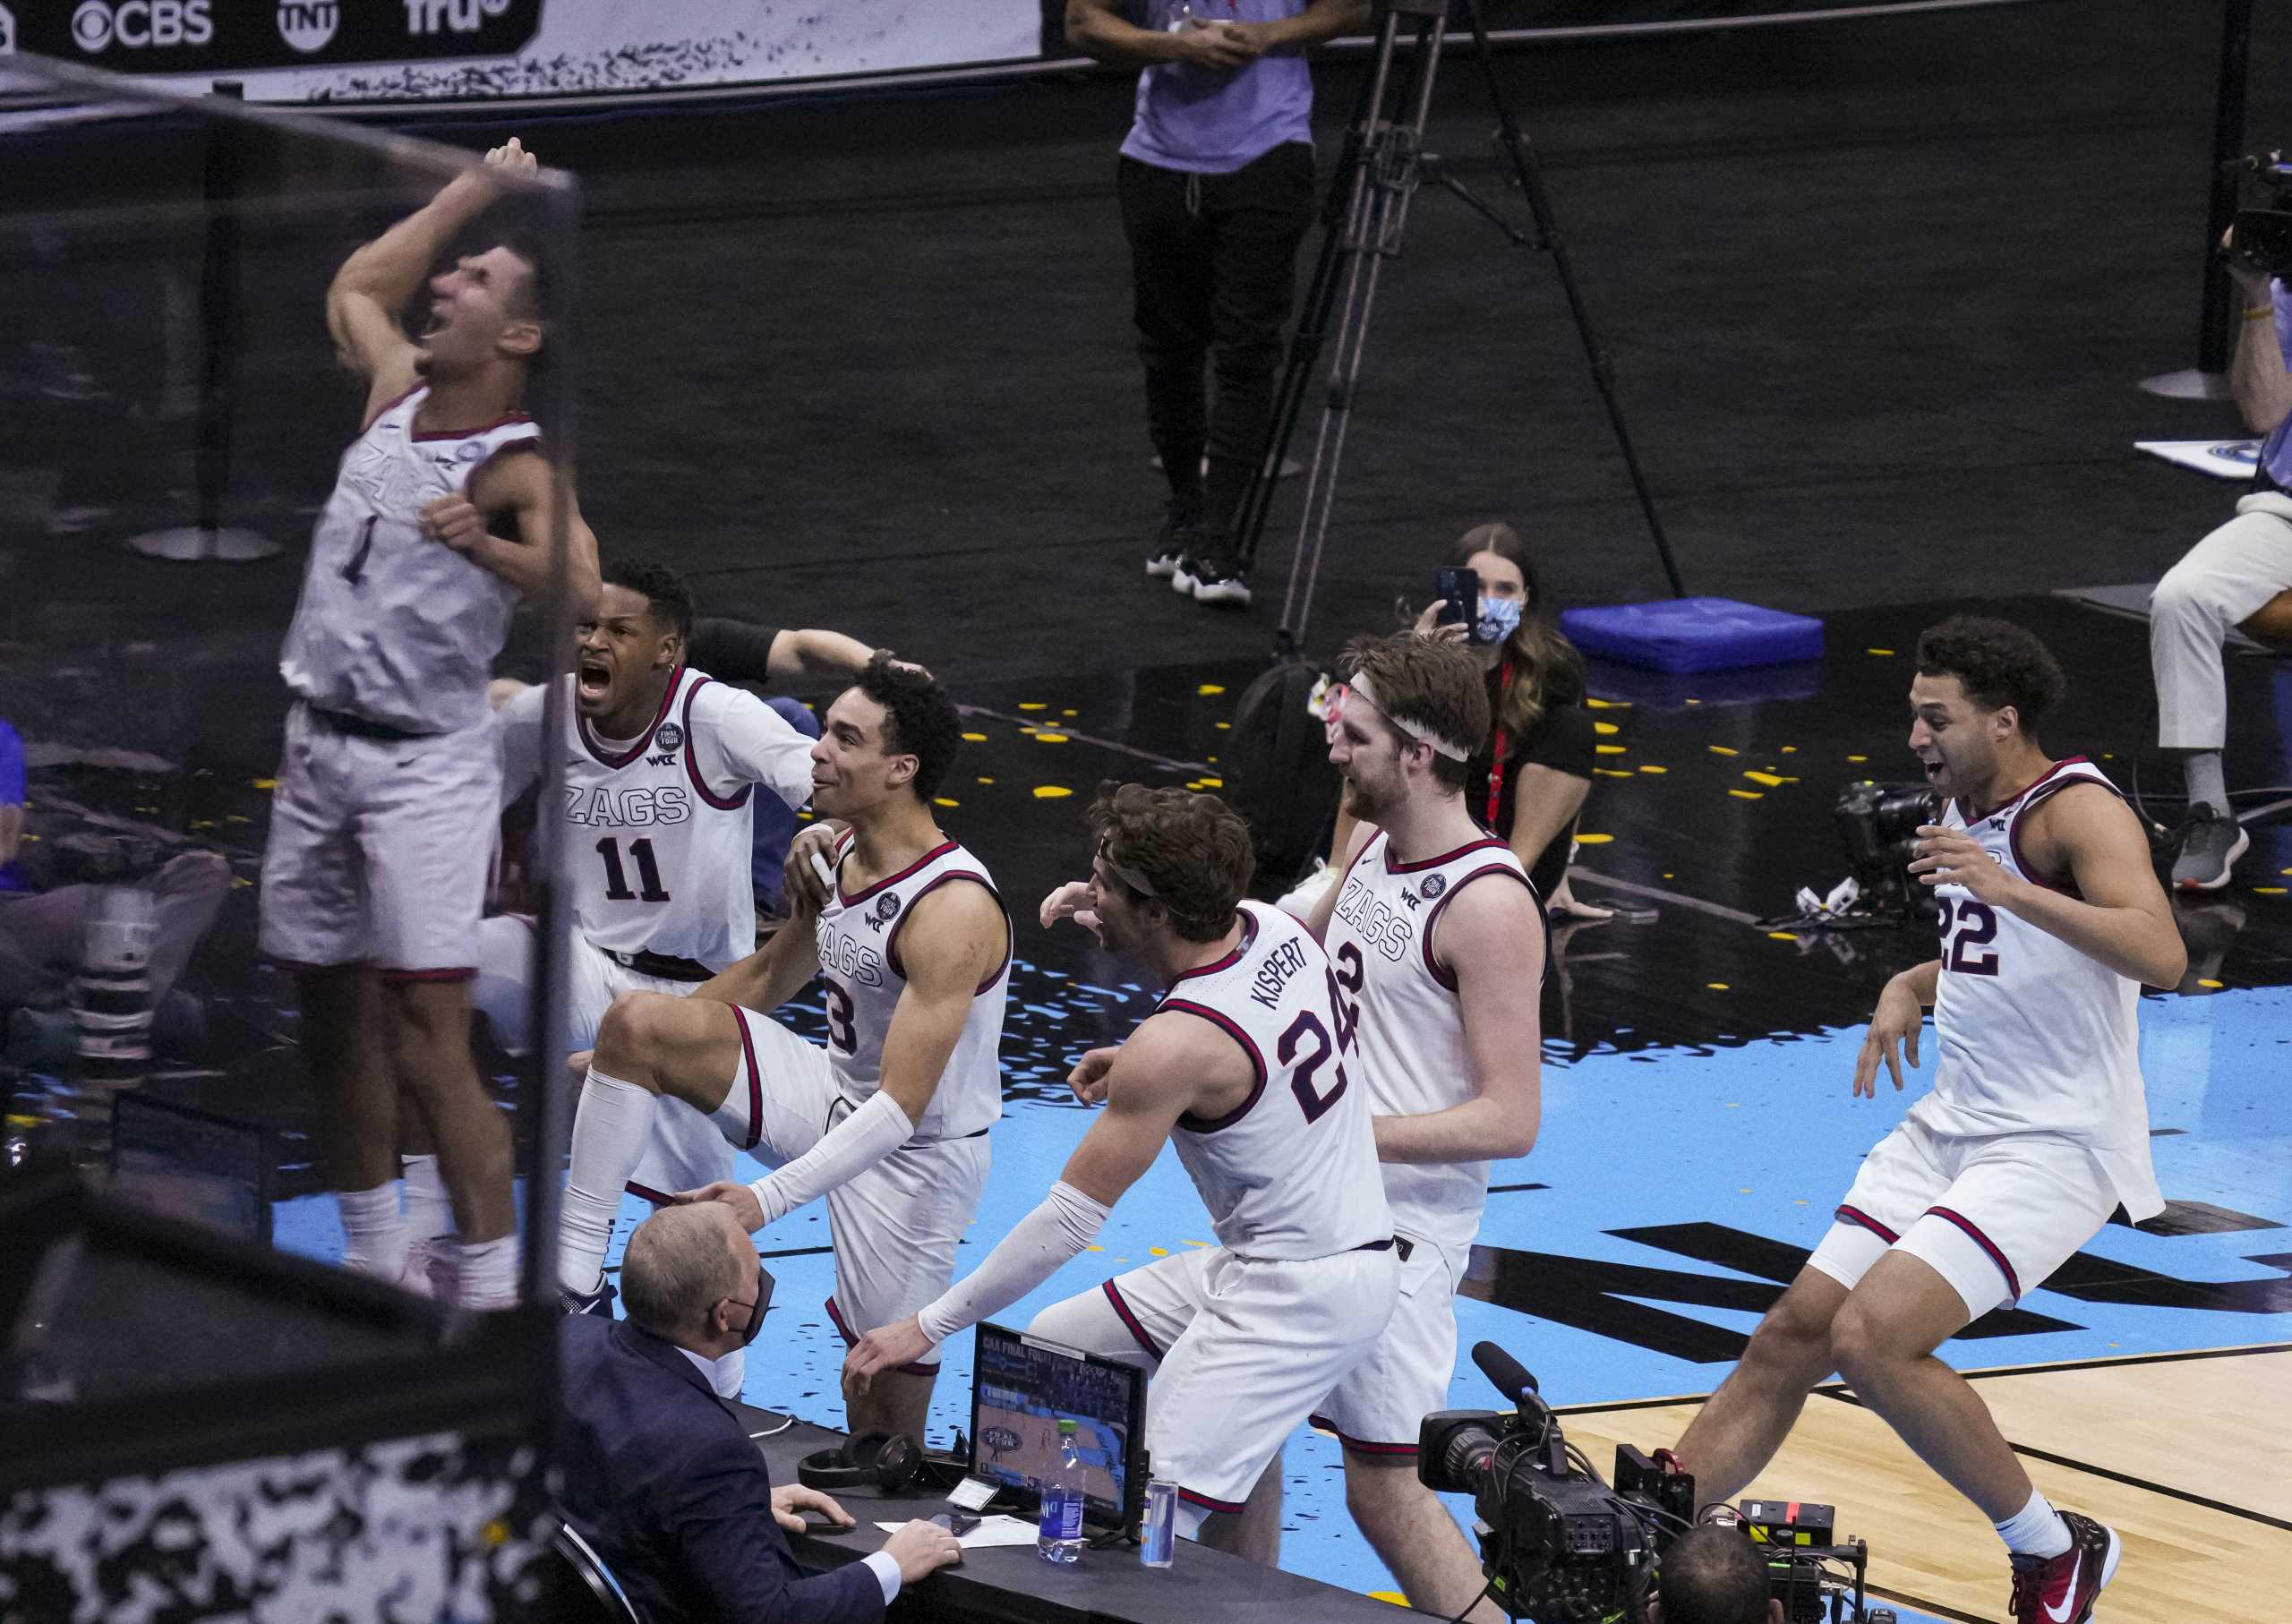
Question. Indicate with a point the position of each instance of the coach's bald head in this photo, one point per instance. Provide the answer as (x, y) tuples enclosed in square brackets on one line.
[(682, 1265)]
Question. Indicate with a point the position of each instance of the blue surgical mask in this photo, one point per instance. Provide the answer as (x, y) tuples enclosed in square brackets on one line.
[(1500, 618)]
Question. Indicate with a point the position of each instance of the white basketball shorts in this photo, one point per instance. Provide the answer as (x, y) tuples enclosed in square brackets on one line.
[(1403, 1378)]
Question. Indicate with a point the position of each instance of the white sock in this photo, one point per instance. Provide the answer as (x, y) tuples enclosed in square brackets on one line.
[(2206, 783), (428, 1210), (2036, 1529), (611, 1126), (375, 1231), (485, 1273)]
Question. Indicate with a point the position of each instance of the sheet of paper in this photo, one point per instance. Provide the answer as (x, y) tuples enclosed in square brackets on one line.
[(992, 1531), (2221, 459)]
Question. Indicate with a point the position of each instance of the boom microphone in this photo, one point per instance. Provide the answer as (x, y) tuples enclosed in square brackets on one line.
[(1509, 1376)]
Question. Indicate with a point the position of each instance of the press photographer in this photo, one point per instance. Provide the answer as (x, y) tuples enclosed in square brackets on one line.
[(2239, 577)]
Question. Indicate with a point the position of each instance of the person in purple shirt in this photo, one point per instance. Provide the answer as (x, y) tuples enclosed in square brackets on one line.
[(1216, 183)]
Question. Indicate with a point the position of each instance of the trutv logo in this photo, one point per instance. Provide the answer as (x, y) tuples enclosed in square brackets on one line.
[(97, 25), (459, 16)]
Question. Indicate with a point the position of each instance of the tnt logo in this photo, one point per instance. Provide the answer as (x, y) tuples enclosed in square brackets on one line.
[(7, 33), (135, 24), (460, 16), (308, 24)]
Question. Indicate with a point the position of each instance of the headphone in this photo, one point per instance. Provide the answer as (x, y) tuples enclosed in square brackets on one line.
[(883, 1462)]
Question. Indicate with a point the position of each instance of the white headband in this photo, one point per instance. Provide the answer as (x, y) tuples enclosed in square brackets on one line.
[(1359, 684)]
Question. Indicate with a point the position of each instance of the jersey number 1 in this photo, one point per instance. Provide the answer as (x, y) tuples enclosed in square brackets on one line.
[(648, 872)]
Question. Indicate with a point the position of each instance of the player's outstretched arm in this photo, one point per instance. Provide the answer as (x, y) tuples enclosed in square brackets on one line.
[(524, 487), (368, 295), (767, 977), (745, 741), (1490, 941), (1170, 1062), (2120, 915)]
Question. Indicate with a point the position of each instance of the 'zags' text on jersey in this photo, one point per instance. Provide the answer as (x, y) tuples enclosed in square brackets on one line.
[(1387, 932), (606, 807)]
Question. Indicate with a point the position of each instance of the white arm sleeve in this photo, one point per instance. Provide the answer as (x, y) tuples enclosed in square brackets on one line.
[(517, 726), (1053, 1233), (747, 741), (845, 1150)]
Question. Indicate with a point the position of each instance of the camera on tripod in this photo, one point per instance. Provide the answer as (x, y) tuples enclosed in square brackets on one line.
[(1559, 1545), (1877, 824), (2262, 238)]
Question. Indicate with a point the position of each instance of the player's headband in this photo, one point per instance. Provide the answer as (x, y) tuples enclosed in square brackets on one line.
[(1129, 876), (1358, 686)]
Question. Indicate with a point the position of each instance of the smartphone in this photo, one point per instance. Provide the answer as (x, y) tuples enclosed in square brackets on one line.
[(1459, 589)]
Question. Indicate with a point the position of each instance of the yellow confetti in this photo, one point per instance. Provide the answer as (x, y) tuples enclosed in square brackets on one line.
[(1224, 726), (1747, 794), (1184, 1241), (1608, 749), (1883, 654), (2268, 891), (1773, 780), (1611, 771), (1669, 875), (1032, 704), (1721, 749), (1050, 738), (266, 783), (942, 800), (1716, 986), (1394, 1596), (974, 739), (1594, 840), (1070, 713), (1783, 935), (1605, 727), (1695, 702), (1158, 1252), (986, 780), (1789, 750), (496, 1533), (1052, 792), (1213, 783), (1211, 688), (240, 883), (1645, 767), (1609, 704), (2208, 981), (1858, 758)]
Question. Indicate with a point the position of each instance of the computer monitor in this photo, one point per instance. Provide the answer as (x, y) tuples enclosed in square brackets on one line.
[(1023, 1387)]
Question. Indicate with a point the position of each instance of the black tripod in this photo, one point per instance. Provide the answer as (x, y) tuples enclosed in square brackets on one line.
[(1378, 172)]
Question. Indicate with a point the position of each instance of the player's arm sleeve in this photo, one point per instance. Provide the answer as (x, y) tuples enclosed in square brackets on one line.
[(745, 741), (1037, 1246), (734, 1555), (518, 728), (731, 650)]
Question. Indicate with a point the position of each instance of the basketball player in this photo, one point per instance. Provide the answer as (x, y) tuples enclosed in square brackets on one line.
[(1241, 1066), (2035, 1129), (889, 1120), (662, 762), (375, 875), (1438, 940)]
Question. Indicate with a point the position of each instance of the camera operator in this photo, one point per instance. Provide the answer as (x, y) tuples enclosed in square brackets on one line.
[(2239, 577), (657, 1473), (1713, 1575)]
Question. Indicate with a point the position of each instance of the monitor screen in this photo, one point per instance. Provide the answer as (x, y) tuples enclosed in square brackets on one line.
[(1022, 1389), (191, 1165)]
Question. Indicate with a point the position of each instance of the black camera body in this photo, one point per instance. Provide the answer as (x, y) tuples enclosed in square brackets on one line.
[(1877, 824), (2262, 238)]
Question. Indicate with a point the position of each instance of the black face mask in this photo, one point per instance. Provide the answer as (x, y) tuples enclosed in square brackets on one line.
[(757, 1309)]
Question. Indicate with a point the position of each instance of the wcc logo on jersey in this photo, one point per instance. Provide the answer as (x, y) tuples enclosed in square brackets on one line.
[(1387, 932)]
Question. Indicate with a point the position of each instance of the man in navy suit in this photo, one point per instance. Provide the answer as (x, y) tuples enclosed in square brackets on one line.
[(657, 1473)]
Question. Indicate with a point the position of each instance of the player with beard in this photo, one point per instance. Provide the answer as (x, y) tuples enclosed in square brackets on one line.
[(373, 876), (889, 1120), (1241, 1067), (1438, 941), (2036, 1128)]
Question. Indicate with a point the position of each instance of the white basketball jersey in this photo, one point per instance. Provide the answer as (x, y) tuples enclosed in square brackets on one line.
[(393, 627), (1292, 1171), (658, 839), (1411, 1031), (859, 943), (2036, 1037)]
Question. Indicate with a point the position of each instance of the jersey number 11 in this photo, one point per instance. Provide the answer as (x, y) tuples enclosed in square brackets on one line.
[(648, 872)]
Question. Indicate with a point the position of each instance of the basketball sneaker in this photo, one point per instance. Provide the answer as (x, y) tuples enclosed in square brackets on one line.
[(1217, 582), (598, 1301), (2060, 1589), (2211, 842), (1181, 529)]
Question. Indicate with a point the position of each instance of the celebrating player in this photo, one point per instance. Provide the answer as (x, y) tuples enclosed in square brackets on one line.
[(374, 874), (889, 1120), (1242, 1066), (2035, 1129), (1439, 943)]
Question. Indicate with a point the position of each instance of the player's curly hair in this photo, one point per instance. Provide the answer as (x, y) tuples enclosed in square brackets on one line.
[(919, 719), (1436, 685), (1193, 849), (1997, 663), (665, 590)]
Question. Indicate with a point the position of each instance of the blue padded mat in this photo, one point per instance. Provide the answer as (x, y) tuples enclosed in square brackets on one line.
[(1694, 634)]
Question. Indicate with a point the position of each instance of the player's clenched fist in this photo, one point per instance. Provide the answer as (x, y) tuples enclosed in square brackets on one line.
[(511, 155), (739, 1197), (451, 519), (885, 1347), (1088, 1077)]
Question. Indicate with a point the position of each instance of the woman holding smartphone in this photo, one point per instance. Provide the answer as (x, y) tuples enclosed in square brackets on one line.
[(1528, 780)]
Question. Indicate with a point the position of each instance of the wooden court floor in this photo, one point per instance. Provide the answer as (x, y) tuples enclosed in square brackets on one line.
[(2189, 1457)]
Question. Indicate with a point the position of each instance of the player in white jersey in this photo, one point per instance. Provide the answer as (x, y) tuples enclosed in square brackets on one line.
[(2035, 1129), (374, 873), (662, 763), (888, 1121), (1242, 1066), (1438, 942)]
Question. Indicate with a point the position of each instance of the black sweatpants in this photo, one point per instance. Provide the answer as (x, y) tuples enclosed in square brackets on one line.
[(1214, 262)]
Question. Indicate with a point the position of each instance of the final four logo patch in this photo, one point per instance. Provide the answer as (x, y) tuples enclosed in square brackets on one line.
[(887, 907), (1434, 884), (670, 736)]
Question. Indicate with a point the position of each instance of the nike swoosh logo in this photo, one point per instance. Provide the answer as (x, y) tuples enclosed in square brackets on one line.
[(2060, 1615)]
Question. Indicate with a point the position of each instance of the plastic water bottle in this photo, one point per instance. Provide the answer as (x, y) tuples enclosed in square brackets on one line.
[(1059, 1538)]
